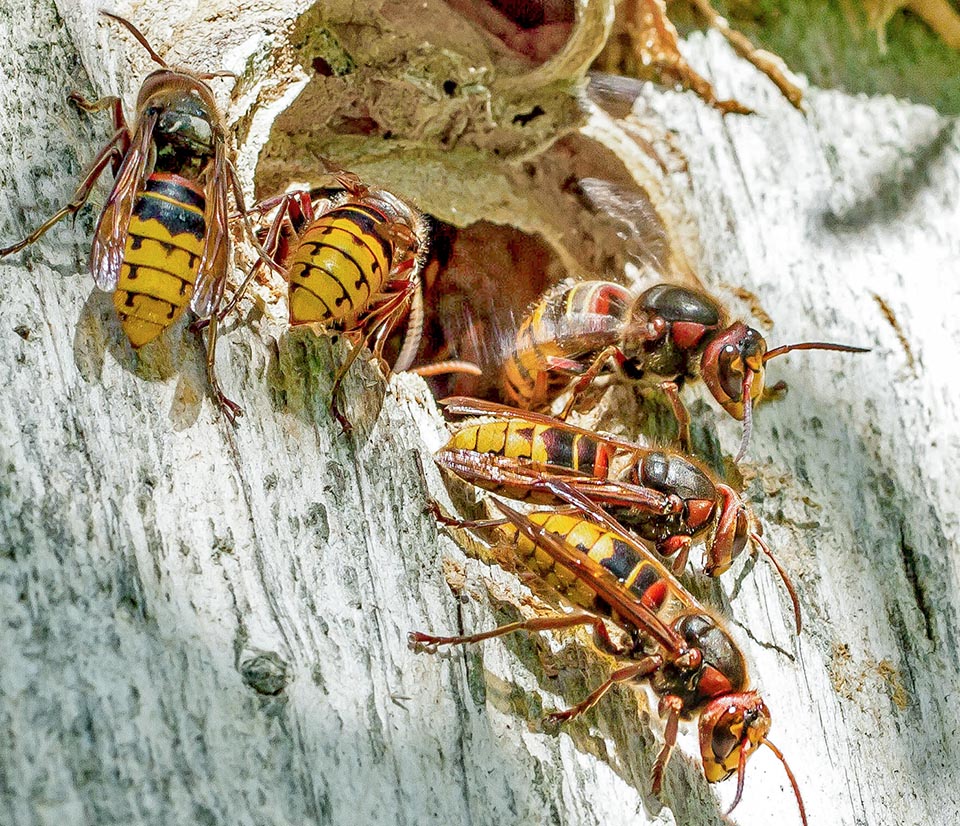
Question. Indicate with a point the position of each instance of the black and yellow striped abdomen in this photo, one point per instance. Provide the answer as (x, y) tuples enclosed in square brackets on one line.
[(162, 256), (536, 443), (642, 576), (569, 323), (527, 382), (340, 265)]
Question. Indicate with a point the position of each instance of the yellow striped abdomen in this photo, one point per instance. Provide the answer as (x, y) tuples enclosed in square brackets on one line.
[(539, 444), (567, 324), (526, 379), (161, 258), (340, 265), (641, 575)]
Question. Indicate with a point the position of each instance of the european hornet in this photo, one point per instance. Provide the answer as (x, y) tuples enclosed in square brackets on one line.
[(352, 262), (663, 496), (162, 242), (689, 660), (667, 334)]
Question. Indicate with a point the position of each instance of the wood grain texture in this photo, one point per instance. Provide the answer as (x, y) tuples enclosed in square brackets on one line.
[(207, 624)]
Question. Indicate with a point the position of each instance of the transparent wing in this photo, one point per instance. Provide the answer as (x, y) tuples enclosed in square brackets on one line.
[(635, 220), (212, 274), (625, 605), (110, 239), (616, 94), (467, 406)]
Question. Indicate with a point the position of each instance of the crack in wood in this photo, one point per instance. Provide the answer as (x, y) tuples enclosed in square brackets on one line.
[(911, 567)]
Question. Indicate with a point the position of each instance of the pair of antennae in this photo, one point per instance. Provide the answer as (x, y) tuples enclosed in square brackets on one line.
[(741, 770), (749, 374), (784, 577), (812, 345), (154, 56)]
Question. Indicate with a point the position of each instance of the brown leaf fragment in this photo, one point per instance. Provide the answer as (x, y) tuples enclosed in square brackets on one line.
[(767, 62), (653, 39), (894, 322), (891, 676), (939, 15), (752, 300)]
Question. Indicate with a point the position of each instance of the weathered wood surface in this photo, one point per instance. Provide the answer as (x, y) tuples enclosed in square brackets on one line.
[(207, 624)]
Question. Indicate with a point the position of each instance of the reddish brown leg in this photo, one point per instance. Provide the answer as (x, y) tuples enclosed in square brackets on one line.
[(267, 250), (237, 190), (350, 181), (269, 247), (441, 368), (384, 318), (679, 545), (119, 121), (79, 196), (230, 408), (396, 303), (217, 313), (466, 524), (680, 412), (634, 671), (587, 378), (774, 391), (108, 102), (605, 641), (673, 706), (556, 622), (264, 206)]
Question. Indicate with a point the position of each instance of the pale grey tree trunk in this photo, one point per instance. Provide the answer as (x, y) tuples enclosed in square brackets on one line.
[(207, 624)]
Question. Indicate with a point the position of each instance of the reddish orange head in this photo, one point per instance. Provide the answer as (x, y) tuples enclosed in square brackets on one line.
[(732, 367), (731, 729), (733, 362)]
